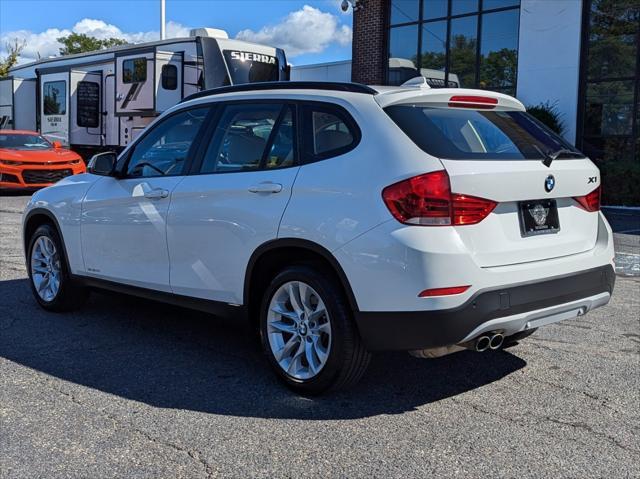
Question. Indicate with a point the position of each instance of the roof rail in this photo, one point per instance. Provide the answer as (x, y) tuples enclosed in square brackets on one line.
[(285, 85)]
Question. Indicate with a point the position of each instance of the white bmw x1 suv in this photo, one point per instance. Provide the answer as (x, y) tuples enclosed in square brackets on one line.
[(339, 219)]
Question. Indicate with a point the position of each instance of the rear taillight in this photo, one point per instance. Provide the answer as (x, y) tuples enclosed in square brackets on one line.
[(590, 202), (473, 101), (427, 200)]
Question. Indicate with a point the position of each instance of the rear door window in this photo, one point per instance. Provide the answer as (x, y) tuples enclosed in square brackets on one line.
[(241, 137), (467, 134)]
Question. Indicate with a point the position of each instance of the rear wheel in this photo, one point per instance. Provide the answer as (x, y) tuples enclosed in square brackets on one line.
[(49, 277), (308, 333)]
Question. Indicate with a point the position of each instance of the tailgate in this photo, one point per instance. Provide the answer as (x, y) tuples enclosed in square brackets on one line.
[(499, 239)]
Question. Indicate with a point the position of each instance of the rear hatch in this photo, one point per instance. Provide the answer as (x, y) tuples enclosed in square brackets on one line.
[(544, 189)]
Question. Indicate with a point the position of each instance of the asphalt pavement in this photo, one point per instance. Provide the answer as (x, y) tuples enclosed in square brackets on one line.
[(136, 389)]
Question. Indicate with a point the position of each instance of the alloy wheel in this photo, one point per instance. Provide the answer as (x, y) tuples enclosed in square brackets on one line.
[(45, 268), (299, 330)]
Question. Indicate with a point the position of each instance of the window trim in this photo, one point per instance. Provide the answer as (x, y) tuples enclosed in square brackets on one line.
[(306, 109), (99, 106), (44, 96), (133, 60), (123, 162), (163, 77), (272, 138)]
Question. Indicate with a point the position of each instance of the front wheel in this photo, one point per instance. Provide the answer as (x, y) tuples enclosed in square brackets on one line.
[(308, 332), (51, 283)]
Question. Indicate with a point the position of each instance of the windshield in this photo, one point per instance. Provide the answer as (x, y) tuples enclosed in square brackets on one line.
[(23, 142), (464, 134), (250, 67)]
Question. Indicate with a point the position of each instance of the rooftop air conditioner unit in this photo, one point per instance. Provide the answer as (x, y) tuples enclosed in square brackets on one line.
[(208, 32)]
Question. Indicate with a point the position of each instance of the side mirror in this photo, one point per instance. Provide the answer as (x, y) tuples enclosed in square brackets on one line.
[(103, 164), (57, 145)]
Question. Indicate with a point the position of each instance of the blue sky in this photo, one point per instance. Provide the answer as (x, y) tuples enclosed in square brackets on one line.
[(310, 31)]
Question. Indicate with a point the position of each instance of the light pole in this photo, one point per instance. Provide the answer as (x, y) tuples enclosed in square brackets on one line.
[(162, 31)]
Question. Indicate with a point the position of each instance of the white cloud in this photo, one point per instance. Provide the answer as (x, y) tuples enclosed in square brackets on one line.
[(308, 30), (45, 44)]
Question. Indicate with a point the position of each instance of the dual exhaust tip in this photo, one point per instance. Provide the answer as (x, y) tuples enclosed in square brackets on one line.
[(491, 341)]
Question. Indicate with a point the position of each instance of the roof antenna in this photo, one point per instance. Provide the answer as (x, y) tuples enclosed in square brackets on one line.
[(417, 81)]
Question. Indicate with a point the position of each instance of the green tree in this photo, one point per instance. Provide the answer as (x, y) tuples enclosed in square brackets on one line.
[(13, 53), (80, 43)]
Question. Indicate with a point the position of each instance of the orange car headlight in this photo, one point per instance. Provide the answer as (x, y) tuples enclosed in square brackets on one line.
[(11, 162)]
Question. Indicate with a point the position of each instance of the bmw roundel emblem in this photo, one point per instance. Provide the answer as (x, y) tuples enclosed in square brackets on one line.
[(549, 183)]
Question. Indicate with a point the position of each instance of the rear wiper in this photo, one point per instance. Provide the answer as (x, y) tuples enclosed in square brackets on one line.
[(546, 159), (563, 151), (549, 157)]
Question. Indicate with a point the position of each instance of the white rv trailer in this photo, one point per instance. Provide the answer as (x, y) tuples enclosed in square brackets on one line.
[(17, 103), (102, 100)]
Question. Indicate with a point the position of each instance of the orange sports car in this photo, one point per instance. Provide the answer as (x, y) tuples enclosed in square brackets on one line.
[(28, 160)]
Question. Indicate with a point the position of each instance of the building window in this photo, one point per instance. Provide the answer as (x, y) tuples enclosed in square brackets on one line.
[(456, 43), (609, 110)]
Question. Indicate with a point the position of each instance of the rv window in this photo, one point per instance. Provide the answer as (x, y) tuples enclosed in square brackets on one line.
[(88, 104), (134, 70), (250, 67), (169, 77), (55, 98)]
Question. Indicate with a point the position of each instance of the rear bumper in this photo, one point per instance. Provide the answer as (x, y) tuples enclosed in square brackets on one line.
[(510, 308)]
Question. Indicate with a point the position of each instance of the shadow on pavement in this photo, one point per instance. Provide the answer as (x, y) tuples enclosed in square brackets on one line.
[(170, 357), (16, 192)]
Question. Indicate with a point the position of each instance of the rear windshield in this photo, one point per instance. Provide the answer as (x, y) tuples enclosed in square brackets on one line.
[(465, 134), (23, 142), (250, 67)]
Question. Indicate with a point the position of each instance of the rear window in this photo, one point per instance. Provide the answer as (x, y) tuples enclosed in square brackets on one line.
[(465, 134), (250, 67)]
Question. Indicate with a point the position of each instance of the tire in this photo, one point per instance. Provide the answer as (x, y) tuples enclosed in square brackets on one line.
[(338, 357), (69, 294)]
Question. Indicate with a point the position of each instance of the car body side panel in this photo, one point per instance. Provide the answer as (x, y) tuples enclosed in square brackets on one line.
[(337, 199), (64, 201), (214, 225)]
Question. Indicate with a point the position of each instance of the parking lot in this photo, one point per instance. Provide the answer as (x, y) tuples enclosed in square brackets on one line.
[(131, 388)]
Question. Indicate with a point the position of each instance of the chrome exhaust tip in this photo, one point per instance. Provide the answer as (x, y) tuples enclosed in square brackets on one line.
[(483, 343), (496, 341)]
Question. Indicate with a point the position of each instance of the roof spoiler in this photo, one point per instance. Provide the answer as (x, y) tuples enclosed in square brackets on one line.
[(450, 97)]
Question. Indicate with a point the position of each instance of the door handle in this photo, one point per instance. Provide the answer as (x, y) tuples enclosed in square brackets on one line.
[(266, 187), (156, 193)]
